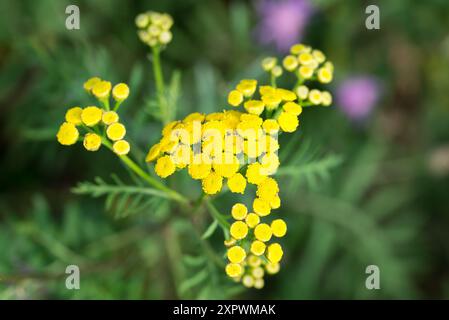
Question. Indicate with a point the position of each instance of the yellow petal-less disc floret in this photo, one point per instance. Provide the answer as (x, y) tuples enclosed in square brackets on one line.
[(120, 91), (271, 101), (290, 63), (254, 106), (279, 228), (261, 207), (153, 153), (199, 170), (269, 63), (292, 108), (263, 232), (286, 95), (254, 173), (67, 134), (239, 230), (254, 261), (102, 89), (306, 72), (252, 220), (299, 48), (239, 211), (247, 89), (235, 98), (315, 96), (234, 270), (302, 92), (73, 116), (275, 202), (91, 116), (258, 272), (274, 252), (288, 122), (272, 268), (237, 183), (324, 75), (259, 283), (90, 83), (326, 98), (116, 131), (212, 183), (248, 281), (258, 248), (276, 71), (236, 254), (121, 147), (92, 141), (110, 117), (270, 126), (164, 166)]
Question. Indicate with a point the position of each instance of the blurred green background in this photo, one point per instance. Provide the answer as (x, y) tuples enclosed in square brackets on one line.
[(363, 192)]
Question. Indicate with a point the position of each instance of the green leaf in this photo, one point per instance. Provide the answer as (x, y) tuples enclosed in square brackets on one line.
[(210, 230)]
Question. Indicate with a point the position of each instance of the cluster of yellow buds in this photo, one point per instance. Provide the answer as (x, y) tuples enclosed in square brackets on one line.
[(100, 125), (241, 146), (154, 28), (306, 64)]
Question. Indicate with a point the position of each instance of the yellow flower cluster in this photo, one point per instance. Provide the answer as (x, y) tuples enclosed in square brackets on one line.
[(241, 146), (100, 126), (154, 28)]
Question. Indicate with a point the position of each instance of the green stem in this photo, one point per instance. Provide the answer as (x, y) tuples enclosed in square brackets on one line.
[(160, 85), (145, 176)]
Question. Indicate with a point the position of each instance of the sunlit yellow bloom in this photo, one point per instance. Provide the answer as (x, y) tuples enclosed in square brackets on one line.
[(292, 108), (324, 75), (285, 94), (326, 98), (263, 232), (164, 166), (248, 281), (91, 116), (110, 117), (306, 72), (212, 183), (116, 131), (254, 106), (165, 37), (230, 242), (271, 101), (252, 220), (199, 169), (239, 230), (121, 147), (259, 283), (299, 48), (315, 96), (288, 121), (92, 141), (319, 56), (90, 83), (279, 228), (261, 207), (254, 261), (274, 252), (102, 89), (305, 58), (290, 63), (257, 248), (234, 270), (272, 268), (267, 189), (269, 63), (264, 90), (270, 126), (257, 273), (73, 115), (236, 254), (276, 71), (254, 173), (120, 91), (239, 211), (275, 202), (247, 89), (154, 152), (195, 116), (67, 134), (302, 92), (237, 183)]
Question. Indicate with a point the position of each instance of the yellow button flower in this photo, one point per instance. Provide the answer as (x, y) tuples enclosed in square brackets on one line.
[(306, 72), (236, 254), (73, 116), (254, 106), (102, 89), (270, 126), (269, 63), (212, 183), (116, 131), (272, 268), (239, 211), (67, 134), (254, 261), (271, 101), (120, 91), (237, 183), (239, 230), (90, 83), (305, 58), (154, 152), (286, 95), (165, 167), (264, 90), (290, 63), (263, 232), (270, 163), (261, 207), (267, 189), (324, 75), (292, 108), (288, 122), (252, 220), (247, 89), (258, 272), (234, 270), (254, 173), (326, 98), (276, 71), (319, 56), (91, 116), (315, 96), (229, 242), (302, 92), (248, 281), (275, 202), (110, 117), (258, 248), (235, 98), (199, 170), (259, 283), (299, 48), (121, 147), (92, 141), (279, 228), (274, 252)]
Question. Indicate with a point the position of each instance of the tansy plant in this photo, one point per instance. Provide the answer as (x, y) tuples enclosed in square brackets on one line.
[(234, 150)]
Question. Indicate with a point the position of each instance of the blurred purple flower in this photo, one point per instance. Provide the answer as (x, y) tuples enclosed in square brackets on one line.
[(283, 21), (357, 96)]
